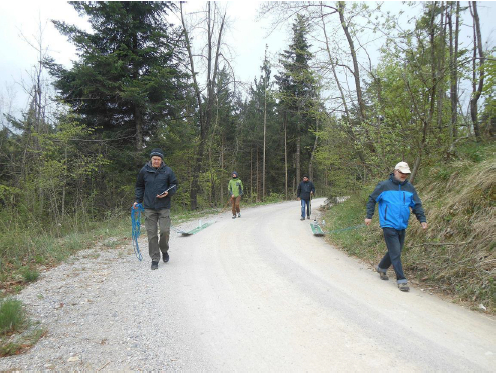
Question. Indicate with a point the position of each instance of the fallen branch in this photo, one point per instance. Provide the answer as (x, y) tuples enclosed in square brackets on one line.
[(442, 244)]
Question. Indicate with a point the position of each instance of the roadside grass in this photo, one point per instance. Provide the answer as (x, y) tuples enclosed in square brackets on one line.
[(17, 332), (459, 251), (24, 252), (456, 255), (344, 222), (30, 274), (12, 316)]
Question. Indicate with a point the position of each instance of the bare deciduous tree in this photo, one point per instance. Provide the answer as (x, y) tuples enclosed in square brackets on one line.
[(214, 23), (477, 69)]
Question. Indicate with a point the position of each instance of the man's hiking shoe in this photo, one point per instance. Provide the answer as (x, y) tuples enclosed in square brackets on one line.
[(165, 257), (302, 218), (403, 287), (383, 275), (234, 217), (239, 215), (155, 265), (308, 218)]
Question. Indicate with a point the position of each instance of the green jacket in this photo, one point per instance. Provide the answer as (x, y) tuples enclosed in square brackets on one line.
[(235, 187)]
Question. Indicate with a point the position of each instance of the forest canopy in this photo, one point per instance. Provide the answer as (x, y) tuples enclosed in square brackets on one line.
[(151, 74)]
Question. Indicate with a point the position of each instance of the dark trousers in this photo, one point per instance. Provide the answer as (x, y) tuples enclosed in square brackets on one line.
[(155, 222), (394, 240)]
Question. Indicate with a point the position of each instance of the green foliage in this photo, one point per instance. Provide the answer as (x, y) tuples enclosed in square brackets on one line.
[(14, 319), (489, 107), (12, 316), (249, 160), (336, 159), (456, 255), (473, 152), (69, 181), (30, 275), (361, 241), (127, 80), (489, 74), (297, 94), (22, 252)]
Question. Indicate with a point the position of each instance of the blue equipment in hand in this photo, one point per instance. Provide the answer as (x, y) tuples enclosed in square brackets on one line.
[(135, 228)]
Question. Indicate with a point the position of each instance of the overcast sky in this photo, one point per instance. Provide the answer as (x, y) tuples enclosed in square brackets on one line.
[(22, 20)]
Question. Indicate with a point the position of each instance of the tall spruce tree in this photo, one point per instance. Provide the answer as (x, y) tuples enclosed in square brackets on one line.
[(297, 92), (127, 80), (259, 127)]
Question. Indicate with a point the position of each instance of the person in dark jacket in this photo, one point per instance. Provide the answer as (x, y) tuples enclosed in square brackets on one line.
[(155, 185), (395, 197), (304, 192)]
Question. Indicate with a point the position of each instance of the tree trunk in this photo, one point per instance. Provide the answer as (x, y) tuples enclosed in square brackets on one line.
[(286, 159), (357, 79), (264, 145), (348, 129), (441, 68), (453, 51), (311, 177), (297, 159), (139, 129), (476, 90), (222, 169), (251, 171), (257, 174), (433, 90), (205, 118)]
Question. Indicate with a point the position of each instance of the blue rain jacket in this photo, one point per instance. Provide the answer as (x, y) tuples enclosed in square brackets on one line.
[(395, 201)]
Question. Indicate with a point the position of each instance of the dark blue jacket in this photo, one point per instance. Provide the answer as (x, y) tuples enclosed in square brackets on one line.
[(152, 182), (304, 190), (394, 199)]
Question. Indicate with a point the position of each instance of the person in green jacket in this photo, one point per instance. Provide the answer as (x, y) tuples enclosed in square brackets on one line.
[(235, 188)]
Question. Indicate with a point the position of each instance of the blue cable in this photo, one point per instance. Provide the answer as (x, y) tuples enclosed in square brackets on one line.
[(135, 228)]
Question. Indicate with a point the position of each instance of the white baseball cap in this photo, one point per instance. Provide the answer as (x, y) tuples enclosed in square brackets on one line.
[(403, 167)]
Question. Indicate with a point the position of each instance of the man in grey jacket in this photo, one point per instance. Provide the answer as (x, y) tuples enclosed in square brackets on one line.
[(155, 185)]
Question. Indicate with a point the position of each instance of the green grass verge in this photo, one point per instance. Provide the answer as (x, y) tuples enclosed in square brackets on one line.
[(14, 319), (12, 316), (456, 256)]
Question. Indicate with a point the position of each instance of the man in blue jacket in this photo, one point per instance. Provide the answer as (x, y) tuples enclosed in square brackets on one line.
[(395, 197), (155, 185), (304, 192)]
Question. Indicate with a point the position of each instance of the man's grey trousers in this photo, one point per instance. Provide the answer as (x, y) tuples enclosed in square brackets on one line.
[(156, 221)]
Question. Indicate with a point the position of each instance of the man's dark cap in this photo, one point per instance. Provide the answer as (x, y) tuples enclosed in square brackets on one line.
[(157, 152)]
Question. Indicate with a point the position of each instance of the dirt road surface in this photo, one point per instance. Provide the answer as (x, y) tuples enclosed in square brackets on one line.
[(258, 293)]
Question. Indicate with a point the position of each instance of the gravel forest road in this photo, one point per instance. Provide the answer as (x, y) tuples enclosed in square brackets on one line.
[(256, 294)]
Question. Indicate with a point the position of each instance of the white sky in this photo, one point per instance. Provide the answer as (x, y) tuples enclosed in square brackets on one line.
[(25, 17), (21, 20)]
